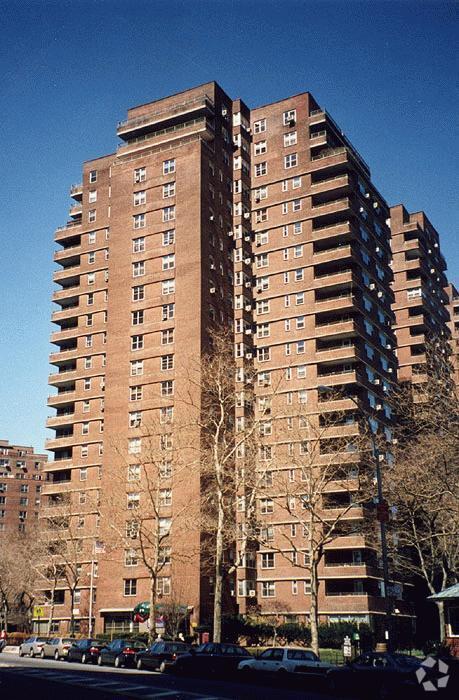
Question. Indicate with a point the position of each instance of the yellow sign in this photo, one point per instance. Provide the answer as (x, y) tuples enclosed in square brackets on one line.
[(38, 611)]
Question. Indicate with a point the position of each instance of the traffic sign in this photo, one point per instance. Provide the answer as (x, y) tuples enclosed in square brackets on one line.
[(38, 611)]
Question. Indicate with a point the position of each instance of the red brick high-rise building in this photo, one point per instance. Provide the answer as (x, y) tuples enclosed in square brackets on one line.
[(210, 214)]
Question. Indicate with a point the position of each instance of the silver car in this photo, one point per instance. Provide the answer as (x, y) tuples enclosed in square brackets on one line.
[(32, 646), (56, 648), (281, 660)]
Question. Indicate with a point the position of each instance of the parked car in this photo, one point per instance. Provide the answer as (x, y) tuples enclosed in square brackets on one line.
[(32, 646), (58, 647), (85, 650), (120, 652), (378, 676), (161, 655), (282, 660), (210, 659)]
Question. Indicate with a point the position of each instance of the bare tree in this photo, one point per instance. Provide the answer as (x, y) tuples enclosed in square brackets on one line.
[(218, 389), (423, 485), (148, 521), (319, 487), (17, 578)]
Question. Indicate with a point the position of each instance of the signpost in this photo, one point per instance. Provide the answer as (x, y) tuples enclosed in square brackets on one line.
[(347, 648)]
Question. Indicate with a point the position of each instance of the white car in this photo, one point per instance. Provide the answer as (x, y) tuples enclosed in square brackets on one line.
[(286, 660), (32, 646)]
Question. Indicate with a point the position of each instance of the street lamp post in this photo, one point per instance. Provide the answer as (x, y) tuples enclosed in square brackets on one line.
[(381, 512)]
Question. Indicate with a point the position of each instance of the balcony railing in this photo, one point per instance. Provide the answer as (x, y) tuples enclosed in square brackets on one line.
[(172, 110), (69, 224), (162, 132)]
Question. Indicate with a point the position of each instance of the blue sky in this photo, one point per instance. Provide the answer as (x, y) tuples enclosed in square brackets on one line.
[(386, 71)]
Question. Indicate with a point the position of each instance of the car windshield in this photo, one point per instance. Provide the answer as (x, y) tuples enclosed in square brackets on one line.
[(301, 655), (42, 639), (179, 646), (405, 660), (68, 640)]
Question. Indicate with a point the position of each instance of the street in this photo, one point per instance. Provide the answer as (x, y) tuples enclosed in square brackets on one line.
[(44, 679)]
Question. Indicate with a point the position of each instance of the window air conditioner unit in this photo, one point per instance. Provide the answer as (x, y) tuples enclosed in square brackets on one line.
[(381, 458), (390, 370), (257, 199), (230, 233), (377, 382), (246, 215), (388, 346), (259, 290), (212, 290), (292, 122), (380, 294), (252, 593), (248, 285), (258, 244), (248, 331), (247, 261), (212, 266), (248, 356), (233, 593), (378, 406), (248, 307), (372, 285), (211, 218), (247, 238)]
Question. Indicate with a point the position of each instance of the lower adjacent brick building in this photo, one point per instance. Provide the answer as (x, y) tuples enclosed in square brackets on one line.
[(21, 475)]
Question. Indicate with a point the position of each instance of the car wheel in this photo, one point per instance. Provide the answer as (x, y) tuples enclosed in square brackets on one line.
[(118, 662), (162, 667), (83, 658), (99, 660), (139, 664), (42, 654), (31, 654), (21, 653), (56, 655)]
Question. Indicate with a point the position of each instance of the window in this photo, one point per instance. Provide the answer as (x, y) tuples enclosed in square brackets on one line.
[(138, 268), (261, 169), (91, 237), (260, 148), (297, 227), (285, 207), (294, 587), (296, 205), (140, 197), (169, 166), (85, 406), (291, 160), (135, 393), (133, 473), (138, 245), (85, 428), (169, 237), (166, 414), (296, 182), (262, 260), (167, 312), (135, 419), (290, 139), (167, 336), (168, 287), (263, 330), (168, 213), (261, 193), (92, 176), (165, 525), (87, 384), (132, 529), (307, 584), (289, 117), (263, 283), (133, 501), (169, 190), (299, 275), (167, 388), (261, 215), (165, 470), (267, 560), (139, 220), (168, 262), (130, 586), (263, 307), (89, 320), (91, 216), (300, 347), (167, 362), (130, 558), (83, 474), (268, 589), (140, 175), (165, 497), (138, 293), (136, 342), (134, 446), (266, 505), (163, 585), (137, 317), (259, 127), (92, 196), (91, 278), (301, 371), (299, 298)]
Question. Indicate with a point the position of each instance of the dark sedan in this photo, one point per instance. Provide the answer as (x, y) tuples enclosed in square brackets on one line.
[(210, 659), (161, 655), (120, 652), (85, 650), (378, 676)]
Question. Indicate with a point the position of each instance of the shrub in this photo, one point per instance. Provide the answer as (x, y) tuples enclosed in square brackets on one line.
[(331, 636), (294, 632)]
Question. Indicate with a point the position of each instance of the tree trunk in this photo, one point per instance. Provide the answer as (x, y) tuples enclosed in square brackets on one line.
[(441, 619), (51, 608), (314, 617), (152, 618), (217, 631), (72, 614)]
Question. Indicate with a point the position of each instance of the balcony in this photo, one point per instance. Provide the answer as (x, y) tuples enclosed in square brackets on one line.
[(339, 302), (76, 191), (56, 421), (76, 210), (59, 442), (63, 355), (331, 230), (195, 126), (332, 183), (62, 377), (341, 352), (66, 292), (68, 253), (349, 570), (61, 397), (67, 274), (318, 138), (65, 313), (163, 118), (68, 230), (352, 603), (338, 252)]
